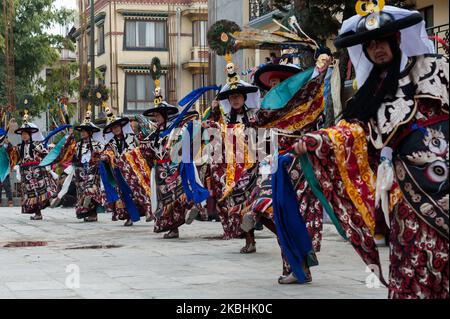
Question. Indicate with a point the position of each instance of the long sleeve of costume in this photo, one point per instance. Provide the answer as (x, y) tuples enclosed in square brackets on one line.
[(338, 156), (67, 151)]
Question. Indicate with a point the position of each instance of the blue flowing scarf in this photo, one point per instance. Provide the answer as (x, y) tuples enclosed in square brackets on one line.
[(54, 132), (291, 228), (127, 196), (193, 190), (108, 183), (191, 98)]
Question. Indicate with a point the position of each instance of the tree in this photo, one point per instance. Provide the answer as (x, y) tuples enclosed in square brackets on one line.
[(34, 46)]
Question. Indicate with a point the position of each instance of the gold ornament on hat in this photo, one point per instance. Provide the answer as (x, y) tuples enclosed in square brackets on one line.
[(87, 117), (26, 116), (110, 117), (366, 7), (232, 77)]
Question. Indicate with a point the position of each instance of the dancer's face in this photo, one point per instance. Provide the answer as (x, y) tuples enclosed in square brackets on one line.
[(159, 119), (84, 134), (380, 52), (116, 130), (237, 101), (25, 136)]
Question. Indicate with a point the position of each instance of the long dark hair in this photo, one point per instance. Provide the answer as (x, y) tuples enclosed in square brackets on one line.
[(22, 147), (366, 102), (156, 139)]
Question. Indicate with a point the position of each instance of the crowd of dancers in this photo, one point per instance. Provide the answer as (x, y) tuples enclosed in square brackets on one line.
[(378, 168)]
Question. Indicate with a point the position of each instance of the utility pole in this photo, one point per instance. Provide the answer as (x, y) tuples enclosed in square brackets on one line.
[(10, 82), (92, 53)]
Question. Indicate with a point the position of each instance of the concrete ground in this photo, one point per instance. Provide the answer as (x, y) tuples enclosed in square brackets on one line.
[(137, 263)]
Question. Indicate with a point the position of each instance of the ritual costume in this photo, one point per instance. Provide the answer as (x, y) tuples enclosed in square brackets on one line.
[(290, 109), (84, 156), (37, 185), (233, 181), (399, 118), (124, 172), (171, 206)]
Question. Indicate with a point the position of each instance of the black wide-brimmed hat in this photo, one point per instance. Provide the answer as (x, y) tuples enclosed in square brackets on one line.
[(162, 107), (271, 70), (26, 126), (87, 125), (112, 120), (236, 88), (376, 26)]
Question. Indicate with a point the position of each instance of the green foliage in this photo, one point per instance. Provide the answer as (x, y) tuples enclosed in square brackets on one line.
[(34, 49), (96, 95)]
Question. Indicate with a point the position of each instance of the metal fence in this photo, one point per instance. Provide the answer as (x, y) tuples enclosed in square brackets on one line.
[(440, 32)]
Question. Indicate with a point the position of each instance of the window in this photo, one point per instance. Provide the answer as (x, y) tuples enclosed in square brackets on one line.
[(428, 16), (88, 44), (139, 91), (101, 40), (145, 35), (200, 29)]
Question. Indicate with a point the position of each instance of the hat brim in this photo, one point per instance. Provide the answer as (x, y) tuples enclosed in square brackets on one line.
[(351, 38), (270, 71), (30, 130), (122, 122), (238, 90), (169, 110), (89, 128)]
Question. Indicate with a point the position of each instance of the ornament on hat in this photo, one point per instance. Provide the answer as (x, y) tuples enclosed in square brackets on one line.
[(110, 117), (232, 76), (371, 9), (156, 72), (26, 117), (88, 115)]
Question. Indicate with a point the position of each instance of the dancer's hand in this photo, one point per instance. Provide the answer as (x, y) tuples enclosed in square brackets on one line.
[(300, 148)]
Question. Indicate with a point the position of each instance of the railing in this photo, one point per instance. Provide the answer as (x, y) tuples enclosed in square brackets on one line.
[(442, 33), (259, 8)]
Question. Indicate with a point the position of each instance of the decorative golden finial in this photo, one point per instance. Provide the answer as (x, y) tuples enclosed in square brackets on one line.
[(110, 117), (232, 76), (87, 116), (366, 7), (26, 117)]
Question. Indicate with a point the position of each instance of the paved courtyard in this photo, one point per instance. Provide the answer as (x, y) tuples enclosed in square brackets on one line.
[(119, 262)]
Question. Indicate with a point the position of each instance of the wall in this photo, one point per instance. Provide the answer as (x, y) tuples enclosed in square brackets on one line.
[(441, 8)]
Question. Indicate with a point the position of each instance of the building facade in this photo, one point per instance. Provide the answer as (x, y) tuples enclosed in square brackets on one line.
[(128, 34)]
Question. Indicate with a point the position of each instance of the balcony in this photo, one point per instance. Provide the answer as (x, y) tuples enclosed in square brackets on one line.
[(199, 59), (442, 33)]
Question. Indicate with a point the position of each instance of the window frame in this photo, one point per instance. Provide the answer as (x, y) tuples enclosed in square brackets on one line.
[(423, 12), (166, 36), (101, 36), (194, 32), (125, 100)]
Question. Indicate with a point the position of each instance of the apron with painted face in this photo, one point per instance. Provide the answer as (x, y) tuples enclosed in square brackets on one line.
[(422, 166)]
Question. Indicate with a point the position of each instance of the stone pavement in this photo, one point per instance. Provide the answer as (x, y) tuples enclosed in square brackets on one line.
[(140, 264)]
